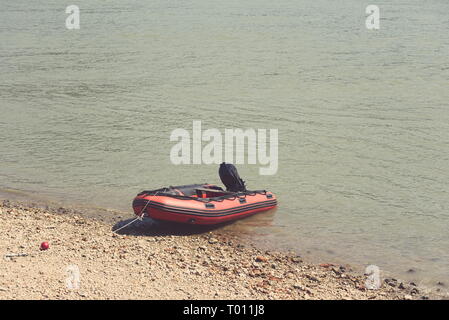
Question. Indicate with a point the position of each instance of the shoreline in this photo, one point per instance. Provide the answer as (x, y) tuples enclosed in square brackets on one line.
[(152, 261)]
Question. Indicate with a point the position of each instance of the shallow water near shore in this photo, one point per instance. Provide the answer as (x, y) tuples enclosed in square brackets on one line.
[(363, 116)]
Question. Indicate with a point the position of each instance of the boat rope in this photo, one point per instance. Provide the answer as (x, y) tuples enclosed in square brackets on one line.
[(139, 216), (122, 227)]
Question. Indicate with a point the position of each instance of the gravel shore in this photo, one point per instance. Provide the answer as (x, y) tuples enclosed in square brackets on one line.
[(144, 264)]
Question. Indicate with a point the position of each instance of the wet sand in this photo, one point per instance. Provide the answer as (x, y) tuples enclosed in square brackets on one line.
[(149, 260)]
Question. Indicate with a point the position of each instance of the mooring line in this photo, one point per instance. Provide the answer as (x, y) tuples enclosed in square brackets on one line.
[(139, 217)]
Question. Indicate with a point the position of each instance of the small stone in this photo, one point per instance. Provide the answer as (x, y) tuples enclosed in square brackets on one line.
[(261, 259), (391, 282), (336, 271), (312, 278), (150, 255), (408, 297), (62, 210), (213, 240), (299, 287)]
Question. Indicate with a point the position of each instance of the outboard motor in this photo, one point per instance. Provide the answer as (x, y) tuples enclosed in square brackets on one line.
[(230, 178)]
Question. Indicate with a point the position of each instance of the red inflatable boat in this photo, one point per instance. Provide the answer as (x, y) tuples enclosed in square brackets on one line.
[(201, 204), (204, 203)]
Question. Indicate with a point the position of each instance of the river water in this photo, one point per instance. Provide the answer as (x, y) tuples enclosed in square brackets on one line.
[(363, 115)]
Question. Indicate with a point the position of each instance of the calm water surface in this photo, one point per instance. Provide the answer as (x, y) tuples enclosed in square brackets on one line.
[(363, 116)]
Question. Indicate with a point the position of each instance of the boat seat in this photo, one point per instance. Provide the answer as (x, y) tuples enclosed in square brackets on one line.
[(203, 192)]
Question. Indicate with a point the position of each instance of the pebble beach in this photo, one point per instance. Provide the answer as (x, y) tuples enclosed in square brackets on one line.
[(137, 263)]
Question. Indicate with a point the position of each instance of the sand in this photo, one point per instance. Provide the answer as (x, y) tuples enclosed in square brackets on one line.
[(86, 260)]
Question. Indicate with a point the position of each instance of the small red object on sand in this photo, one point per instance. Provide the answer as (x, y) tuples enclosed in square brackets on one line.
[(326, 265), (44, 246)]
